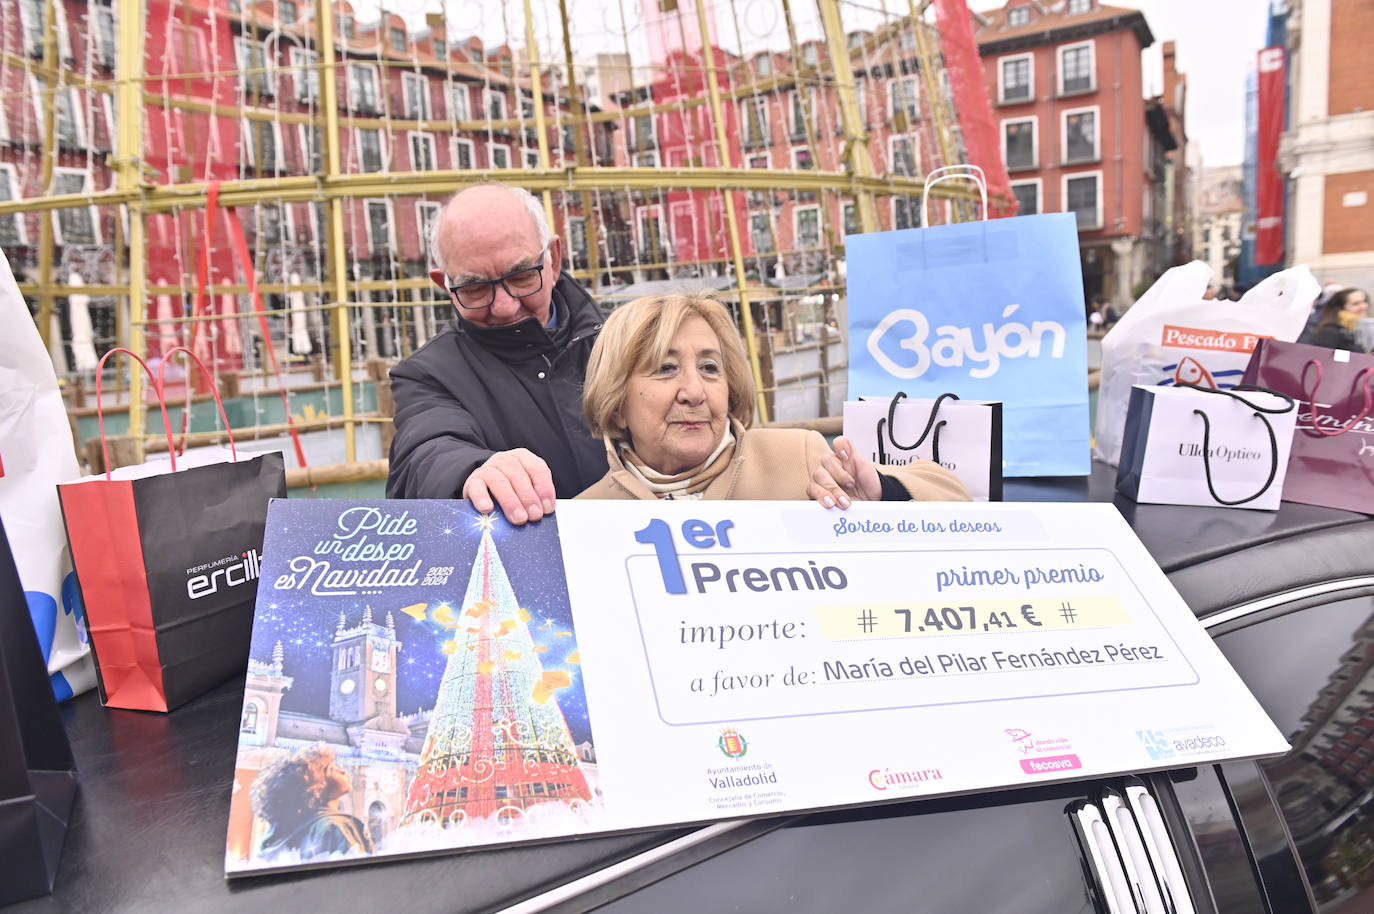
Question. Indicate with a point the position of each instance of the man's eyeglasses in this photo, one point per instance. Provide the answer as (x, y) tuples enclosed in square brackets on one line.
[(517, 283)]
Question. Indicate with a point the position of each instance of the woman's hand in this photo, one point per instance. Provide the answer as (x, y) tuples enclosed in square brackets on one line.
[(844, 476)]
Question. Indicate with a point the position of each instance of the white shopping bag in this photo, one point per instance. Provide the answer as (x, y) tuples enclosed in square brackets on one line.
[(1172, 335), (36, 453), (1200, 446), (963, 436)]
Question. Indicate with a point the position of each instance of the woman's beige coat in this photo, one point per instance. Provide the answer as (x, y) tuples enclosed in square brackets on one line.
[(775, 464)]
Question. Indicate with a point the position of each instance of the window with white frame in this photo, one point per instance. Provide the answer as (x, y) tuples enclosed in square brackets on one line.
[(645, 160), (904, 154), (906, 213), (577, 243), (262, 146), (74, 225), (642, 132), (1079, 135), (312, 148), (415, 88), (761, 233), (252, 61), (464, 154), (426, 216), (650, 233), (1077, 66), (440, 47), (530, 157), (808, 226), (11, 225), (1083, 197), (494, 103), (1020, 147), (459, 102), (796, 121), (422, 154), (757, 198), (1027, 194), (287, 11), (904, 101), (305, 75), (362, 87), (849, 213), (67, 116), (1016, 78), (371, 156), (379, 226), (105, 37), (398, 40), (753, 116), (272, 226), (499, 154), (802, 158), (1018, 15), (811, 55), (1080, 6), (861, 100), (33, 24), (763, 65)]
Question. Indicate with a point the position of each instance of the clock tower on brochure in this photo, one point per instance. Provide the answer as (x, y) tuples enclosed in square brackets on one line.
[(362, 677)]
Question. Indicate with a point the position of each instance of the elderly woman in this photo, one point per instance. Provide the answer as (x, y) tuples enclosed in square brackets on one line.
[(669, 389)]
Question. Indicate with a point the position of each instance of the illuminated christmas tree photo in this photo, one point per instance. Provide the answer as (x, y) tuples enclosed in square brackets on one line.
[(498, 743)]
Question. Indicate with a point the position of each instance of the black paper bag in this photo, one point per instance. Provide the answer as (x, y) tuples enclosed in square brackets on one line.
[(37, 771)]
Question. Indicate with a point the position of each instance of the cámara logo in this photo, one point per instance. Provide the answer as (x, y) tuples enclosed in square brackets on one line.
[(887, 779), (229, 571), (732, 743)]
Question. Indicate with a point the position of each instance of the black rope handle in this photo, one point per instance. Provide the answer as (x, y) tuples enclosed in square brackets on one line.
[(1231, 392), (1207, 463), (930, 424)]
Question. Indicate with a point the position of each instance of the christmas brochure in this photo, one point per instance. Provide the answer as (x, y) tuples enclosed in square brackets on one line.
[(425, 679)]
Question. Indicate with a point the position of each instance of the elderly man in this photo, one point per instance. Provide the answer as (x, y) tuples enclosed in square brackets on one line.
[(491, 408)]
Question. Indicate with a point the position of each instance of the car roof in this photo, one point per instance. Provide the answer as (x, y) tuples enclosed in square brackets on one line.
[(1265, 553)]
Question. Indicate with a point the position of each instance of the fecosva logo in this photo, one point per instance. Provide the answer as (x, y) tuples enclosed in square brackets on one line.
[(953, 345)]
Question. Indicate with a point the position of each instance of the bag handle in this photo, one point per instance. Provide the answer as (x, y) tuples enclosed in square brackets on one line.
[(930, 423), (953, 173), (100, 406), (1268, 427), (161, 385), (1366, 373)]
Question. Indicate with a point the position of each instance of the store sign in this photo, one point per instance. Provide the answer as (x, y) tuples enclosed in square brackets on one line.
[(480, 684)]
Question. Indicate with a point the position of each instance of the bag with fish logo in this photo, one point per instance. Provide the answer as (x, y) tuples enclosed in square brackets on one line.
[(1172, 335)]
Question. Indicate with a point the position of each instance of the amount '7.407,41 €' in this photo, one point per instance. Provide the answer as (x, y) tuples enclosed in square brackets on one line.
[(906, 620)]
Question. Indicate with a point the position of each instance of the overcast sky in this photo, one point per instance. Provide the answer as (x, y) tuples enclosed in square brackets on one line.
[(1215, 45)]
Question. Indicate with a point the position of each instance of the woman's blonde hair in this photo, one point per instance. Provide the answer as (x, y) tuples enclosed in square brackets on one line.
[(640, 333)]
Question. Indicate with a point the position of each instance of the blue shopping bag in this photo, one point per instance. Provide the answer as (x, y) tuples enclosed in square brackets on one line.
[(988, 310)]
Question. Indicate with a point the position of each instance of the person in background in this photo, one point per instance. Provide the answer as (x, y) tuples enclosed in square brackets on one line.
[(669, 389), (298, 796), (490, 409), (1339, 319)]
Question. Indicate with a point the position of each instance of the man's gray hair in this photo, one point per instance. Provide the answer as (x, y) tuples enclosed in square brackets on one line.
[(531, 202)]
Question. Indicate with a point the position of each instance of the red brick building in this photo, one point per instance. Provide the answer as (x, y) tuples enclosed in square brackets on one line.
[(1328, 149), (1079, 136)]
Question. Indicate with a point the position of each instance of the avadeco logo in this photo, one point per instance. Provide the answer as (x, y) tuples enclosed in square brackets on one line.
[(1206, 338), (246, 569)]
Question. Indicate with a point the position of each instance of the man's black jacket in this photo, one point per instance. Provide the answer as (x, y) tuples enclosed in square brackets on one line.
[(473, 390)]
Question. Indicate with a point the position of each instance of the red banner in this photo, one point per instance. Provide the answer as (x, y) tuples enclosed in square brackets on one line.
[(971, 105), (1269, 183)]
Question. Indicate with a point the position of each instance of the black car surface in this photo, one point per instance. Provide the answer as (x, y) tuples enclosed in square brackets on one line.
[(1288, 595)]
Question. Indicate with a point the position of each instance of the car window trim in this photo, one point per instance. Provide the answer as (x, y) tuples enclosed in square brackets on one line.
[(1363, 582)]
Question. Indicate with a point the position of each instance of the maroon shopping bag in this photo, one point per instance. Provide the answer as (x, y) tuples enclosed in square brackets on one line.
[(1332, 461)]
